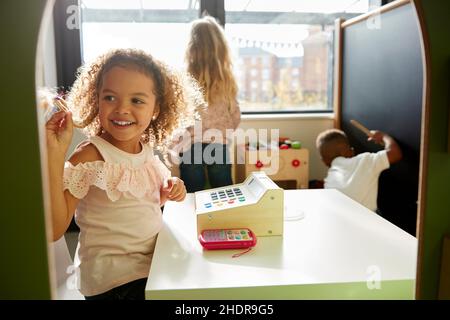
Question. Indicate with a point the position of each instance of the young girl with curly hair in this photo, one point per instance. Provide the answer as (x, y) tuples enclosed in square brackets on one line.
[(209, 62), (128, 104)]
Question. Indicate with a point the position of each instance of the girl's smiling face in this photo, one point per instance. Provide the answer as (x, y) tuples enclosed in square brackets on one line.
[(127, 103)]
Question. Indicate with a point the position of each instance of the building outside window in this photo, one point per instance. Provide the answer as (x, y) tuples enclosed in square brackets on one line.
[(294, 41)]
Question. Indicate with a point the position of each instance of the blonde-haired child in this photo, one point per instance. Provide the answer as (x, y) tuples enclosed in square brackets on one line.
[(129, 104), (209, 62)]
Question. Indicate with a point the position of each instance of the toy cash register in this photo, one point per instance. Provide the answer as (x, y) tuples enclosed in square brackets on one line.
[(256, 204)]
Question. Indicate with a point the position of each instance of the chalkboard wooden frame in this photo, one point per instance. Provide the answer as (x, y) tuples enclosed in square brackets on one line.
[(399, 186), (423, 263)]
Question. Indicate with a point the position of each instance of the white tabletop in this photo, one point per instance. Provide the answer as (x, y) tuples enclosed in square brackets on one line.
[(338, 250)]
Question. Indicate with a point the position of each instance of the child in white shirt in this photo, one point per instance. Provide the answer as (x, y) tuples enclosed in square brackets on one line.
[(356, 176)]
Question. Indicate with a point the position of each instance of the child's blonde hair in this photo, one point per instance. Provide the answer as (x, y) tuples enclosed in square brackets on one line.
[(209, 60), (178, 95)]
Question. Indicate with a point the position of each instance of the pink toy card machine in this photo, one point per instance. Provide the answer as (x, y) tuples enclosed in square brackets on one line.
[(215, 239)]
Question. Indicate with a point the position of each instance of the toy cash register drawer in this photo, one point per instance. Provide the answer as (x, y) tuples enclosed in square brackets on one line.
[(257, 204)]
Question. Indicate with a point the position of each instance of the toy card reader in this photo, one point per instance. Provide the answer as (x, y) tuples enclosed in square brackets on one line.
[(227, 239), (256, 204)]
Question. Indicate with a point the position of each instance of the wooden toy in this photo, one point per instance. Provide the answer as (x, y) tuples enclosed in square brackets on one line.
[(256, 204), (360, 127), (293, 164)]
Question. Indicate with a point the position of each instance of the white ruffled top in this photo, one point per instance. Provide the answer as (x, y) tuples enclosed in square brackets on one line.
[(116, 179), (118, 213)]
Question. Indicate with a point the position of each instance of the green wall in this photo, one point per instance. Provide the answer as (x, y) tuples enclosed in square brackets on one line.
[(437, 202), (24, 266)]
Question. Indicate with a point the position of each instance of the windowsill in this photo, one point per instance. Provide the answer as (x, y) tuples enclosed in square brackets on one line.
[(287, 116)]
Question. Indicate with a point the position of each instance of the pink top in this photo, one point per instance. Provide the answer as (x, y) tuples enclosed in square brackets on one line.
[(220, 116), (215, 120), (119, 215)]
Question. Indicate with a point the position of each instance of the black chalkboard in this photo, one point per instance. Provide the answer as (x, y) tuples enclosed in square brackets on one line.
[(382, 88)]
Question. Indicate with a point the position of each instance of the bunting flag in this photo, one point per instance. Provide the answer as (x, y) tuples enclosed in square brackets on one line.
[(249, 43)]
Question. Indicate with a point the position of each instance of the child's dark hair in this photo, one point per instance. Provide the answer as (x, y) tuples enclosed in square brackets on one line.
[(331, 144), (177, 94), (331, 136)]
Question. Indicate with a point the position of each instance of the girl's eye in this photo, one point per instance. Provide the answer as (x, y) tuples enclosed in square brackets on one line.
[(109, 98), (137, 101)]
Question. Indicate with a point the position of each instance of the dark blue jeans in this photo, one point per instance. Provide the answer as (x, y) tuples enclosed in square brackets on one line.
[(214, 157), (134, 290)]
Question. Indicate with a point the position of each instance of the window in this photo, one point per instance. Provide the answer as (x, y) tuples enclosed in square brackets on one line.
[(254, 61), (158, 27), (291, 44), (282, 49)]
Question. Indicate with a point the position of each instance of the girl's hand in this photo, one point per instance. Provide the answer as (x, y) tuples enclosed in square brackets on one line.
[(176, 191), (59, 131)]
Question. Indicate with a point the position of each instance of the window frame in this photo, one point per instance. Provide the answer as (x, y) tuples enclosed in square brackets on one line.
[(69, 51), (67, 43)]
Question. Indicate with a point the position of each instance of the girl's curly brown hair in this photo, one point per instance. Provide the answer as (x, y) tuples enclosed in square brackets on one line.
[(178, 95)]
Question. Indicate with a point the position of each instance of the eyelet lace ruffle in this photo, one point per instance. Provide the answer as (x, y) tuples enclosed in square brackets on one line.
[(116, 179)]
